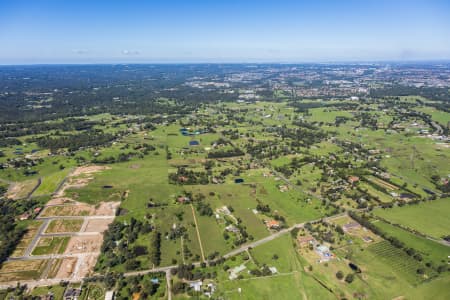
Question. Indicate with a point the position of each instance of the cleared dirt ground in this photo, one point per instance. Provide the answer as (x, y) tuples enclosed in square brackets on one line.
[(84, 244), (21, 270), (97, 225), (58, 226), (86, 266), (66, 268), (81, 209)]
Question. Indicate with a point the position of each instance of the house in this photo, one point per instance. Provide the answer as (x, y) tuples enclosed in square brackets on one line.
[(367, 239), (154, 280), (273, 224), (232, 228), (37, 210), (351, 226), (406, 196), (182, 179), (305, 240), (24, 216), (183, 199), (324, 253), (196, 285), (353, 179), (211, 288), (72, 294), (235, 271)]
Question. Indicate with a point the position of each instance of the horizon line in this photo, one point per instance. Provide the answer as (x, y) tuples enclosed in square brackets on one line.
[(234, 62)]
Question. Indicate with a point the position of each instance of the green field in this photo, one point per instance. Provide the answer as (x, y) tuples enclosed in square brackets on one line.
[(430, 218), (50, 183), (51, 245), (430, 250), (56, 290)]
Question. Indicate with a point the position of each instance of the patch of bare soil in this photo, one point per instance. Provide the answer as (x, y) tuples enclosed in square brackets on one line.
[(88, 170), (99, 225), (60, 201), (84, 244), (79, 209), (80, 177), (87, 265), (66, 268), (20, 190), (106, 208)]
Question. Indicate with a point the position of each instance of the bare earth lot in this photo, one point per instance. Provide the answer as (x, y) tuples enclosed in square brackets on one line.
[(62, 257)]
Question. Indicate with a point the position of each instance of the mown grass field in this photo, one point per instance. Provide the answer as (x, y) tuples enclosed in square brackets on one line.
[(431, 218), (50, 183)]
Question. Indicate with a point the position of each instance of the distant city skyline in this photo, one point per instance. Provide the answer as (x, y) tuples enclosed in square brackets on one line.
[(45, 32)]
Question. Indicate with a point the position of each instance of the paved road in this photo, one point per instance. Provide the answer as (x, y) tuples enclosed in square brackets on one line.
[(52, 256), (76, 218), (46, 220), (241, 249), (35, 239), (166, 269), (54, 234)]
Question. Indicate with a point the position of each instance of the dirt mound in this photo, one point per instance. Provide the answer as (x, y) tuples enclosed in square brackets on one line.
[(88, 170)]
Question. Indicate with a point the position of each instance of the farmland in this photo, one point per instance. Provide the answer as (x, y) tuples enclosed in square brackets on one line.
[(429, 218), (331, 198)]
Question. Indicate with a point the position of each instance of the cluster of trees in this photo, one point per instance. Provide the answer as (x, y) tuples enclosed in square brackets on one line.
[(302, 137), (90, 90), (189, 273), (348, 278), (75, 141), (225, 153), (186, 176), (10, 231), (118, 242), (434, 93), (443, 186), (204, 209), (324, 232), (32, 128), (367, 120), (6, 142), (155, 247), (141, 285), (264, 271), (304, 107)]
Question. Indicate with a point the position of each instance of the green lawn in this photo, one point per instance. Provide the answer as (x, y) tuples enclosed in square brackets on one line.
[(56, 290)]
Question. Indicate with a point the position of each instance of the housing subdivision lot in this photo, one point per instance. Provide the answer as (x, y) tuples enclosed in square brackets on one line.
[(64, 241), (61, 225)]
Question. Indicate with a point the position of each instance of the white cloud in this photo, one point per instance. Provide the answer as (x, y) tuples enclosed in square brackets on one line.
[(131, 52)]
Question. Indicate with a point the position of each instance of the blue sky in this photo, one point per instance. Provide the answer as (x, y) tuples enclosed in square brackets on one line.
[(82, 31)]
